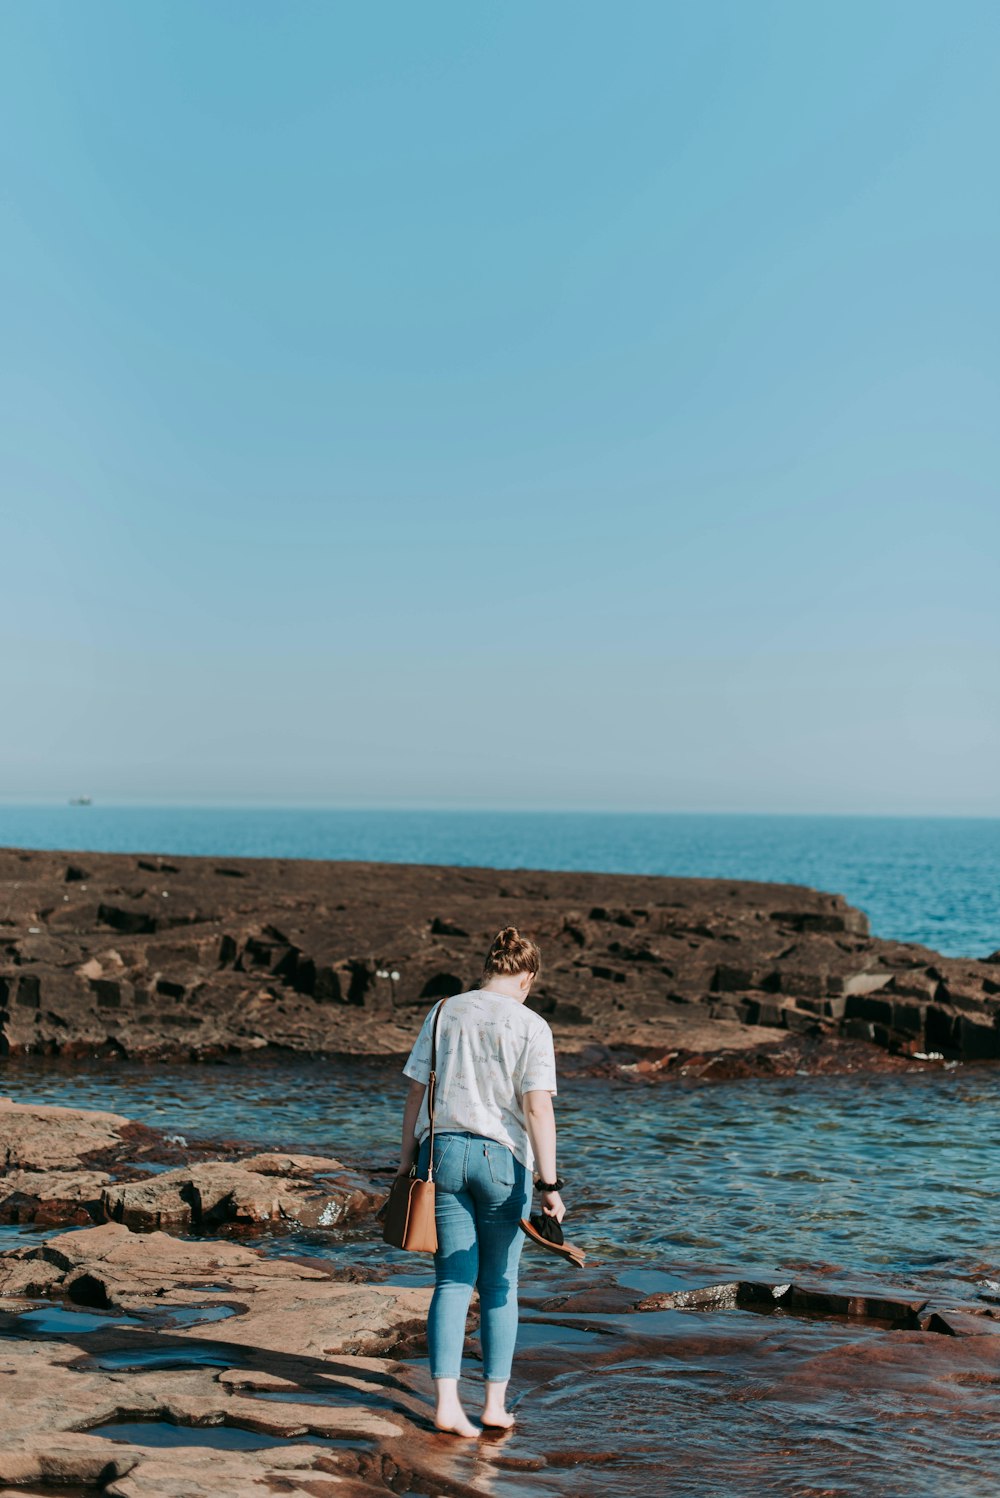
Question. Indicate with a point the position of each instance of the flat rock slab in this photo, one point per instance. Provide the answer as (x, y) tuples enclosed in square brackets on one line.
[(293, 1331), (52, 1404), (278, 1303), (124, 1471), (35, 1137)]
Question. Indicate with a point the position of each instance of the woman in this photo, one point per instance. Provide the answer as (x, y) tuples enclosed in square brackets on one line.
[(493, 1119)]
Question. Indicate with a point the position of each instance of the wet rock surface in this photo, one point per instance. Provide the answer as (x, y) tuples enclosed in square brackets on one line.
[(140, 1361), (277, 1303), (115, 954), (307, 1385), (347, 1407)]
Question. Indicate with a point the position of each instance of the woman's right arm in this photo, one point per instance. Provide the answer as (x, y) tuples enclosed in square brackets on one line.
[(408, 1145), (540, 1121)]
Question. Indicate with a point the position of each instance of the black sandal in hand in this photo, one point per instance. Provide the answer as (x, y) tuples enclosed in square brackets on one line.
[(546, 1232)]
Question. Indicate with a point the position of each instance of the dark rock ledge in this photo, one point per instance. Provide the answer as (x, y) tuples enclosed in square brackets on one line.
[(121, 955)]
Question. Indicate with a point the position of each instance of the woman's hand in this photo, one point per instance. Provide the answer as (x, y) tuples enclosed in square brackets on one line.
[(552, 1205)]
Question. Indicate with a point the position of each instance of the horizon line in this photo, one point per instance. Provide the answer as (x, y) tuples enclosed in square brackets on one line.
[(438, 809)]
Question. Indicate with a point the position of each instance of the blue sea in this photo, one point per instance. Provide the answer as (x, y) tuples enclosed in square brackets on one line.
[(934, 880)]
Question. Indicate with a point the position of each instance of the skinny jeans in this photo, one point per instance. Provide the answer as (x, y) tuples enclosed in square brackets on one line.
[(482, 1193)]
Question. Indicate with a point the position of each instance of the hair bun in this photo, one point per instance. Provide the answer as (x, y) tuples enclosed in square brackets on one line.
[(512, 953)]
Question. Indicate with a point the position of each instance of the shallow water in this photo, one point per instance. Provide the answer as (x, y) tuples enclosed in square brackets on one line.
[(674, 1402), (880, 1181), (882, 1177), (56, 1320), (215, 1437), (719, 1425)]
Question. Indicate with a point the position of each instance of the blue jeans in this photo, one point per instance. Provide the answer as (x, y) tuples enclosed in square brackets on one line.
[(482, 1192)]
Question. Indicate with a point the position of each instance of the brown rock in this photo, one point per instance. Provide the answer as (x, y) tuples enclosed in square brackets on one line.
[(35, 1137), (290, 1304), (202, 1198), (50, 1197), (44, 1178), (209, 959), (53, 1398)]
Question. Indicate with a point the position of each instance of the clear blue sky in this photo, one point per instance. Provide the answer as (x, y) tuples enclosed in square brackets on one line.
[(502, 404)]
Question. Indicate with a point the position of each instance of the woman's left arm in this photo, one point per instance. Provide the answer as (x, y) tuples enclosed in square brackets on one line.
[(408, 1144)]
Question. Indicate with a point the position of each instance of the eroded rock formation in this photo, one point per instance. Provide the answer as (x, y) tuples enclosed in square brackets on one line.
[(101, 1166), (120, 954)]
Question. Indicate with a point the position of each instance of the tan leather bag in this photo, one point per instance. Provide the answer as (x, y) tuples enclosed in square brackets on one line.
[(408, 1217)]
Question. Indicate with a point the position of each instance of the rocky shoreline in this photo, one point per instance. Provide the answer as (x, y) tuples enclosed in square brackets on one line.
[(200, 958), (266, 1373)]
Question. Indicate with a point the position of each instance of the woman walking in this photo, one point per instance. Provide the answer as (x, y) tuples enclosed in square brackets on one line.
[(493, 1120)]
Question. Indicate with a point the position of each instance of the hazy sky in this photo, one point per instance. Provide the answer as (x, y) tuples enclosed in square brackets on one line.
[(484, 404)]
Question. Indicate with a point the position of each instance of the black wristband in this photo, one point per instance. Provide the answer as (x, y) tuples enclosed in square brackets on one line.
[(556, 1185)]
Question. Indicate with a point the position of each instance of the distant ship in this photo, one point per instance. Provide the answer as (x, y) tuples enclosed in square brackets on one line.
[(80, 800)]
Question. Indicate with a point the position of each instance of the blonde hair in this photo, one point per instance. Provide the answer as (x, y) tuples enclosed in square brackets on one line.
[(511, 953)]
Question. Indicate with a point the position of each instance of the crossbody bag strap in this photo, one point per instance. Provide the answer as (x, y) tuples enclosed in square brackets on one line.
[(432, 1087)]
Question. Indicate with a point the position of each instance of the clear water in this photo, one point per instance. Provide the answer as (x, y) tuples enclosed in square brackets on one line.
[(884, 1178), (930, 879), (56, 1319), (866, 1181), (161, 1433)]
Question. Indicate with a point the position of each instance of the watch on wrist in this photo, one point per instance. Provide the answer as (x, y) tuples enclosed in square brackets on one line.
[(556, 1185)]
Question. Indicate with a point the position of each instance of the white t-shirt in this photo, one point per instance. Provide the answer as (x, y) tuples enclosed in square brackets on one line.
[(491, 1050)]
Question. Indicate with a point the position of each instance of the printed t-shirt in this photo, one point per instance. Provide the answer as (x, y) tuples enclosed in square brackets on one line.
[(491, 1050)]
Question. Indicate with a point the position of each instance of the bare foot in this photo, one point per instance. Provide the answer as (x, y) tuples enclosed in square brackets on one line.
[(498, 1419), (456, 1423)]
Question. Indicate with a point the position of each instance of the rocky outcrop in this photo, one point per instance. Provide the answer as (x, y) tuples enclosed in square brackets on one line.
[(274, 1190), (262, 1190), (114, 954), (38, 1137)]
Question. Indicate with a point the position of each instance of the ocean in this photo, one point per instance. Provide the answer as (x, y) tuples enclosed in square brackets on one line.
[(934, 880)]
